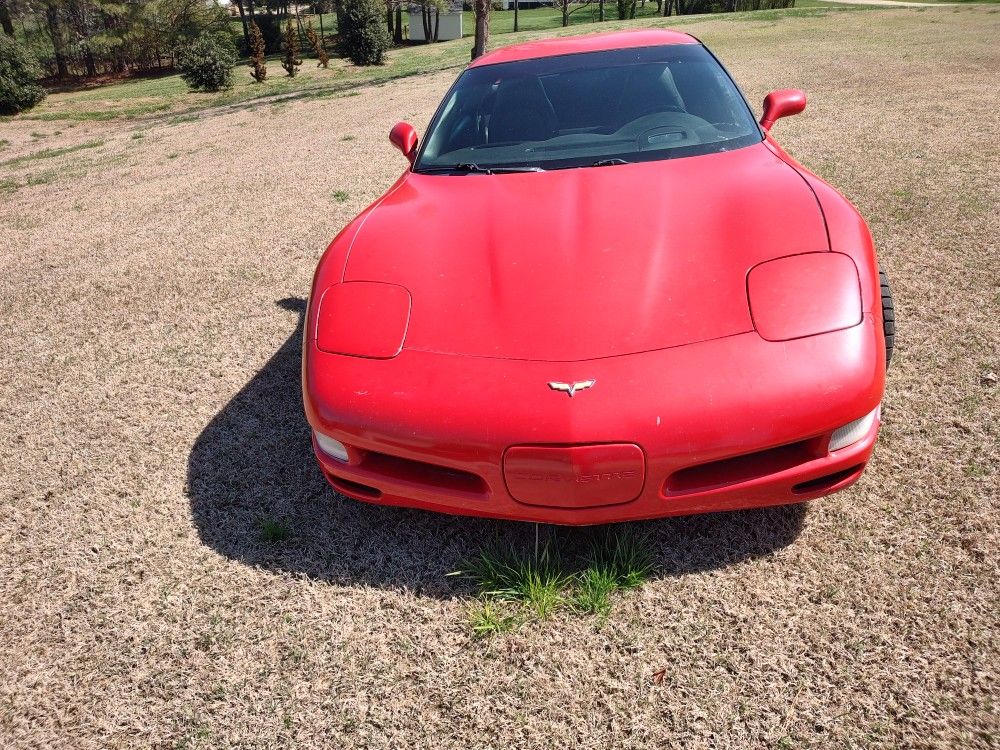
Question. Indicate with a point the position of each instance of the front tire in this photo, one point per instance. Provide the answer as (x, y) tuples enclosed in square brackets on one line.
[(888, 315)]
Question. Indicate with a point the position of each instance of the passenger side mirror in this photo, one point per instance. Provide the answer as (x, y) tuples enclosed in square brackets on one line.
[(782, 103), (404, 137)]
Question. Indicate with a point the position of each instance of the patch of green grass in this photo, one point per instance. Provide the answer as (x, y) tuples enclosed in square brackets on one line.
[(616, 562), (102, 114), (4, 143), (593, 591), (274, 531), (509, 577), (513, 588), (341, 196), (486, 619), (347, 138), (138, 135), (48, 153), (173, 155)]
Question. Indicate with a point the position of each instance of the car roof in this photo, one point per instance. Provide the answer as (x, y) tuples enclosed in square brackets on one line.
[(569, 45)]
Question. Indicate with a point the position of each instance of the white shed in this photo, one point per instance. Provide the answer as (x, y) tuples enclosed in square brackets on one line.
[(449, 26)]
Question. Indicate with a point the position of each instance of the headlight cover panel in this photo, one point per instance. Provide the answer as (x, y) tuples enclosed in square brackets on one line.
[(363, 319), (804, 295)]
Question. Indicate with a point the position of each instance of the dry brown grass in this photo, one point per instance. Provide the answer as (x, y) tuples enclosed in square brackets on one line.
[(151, 423)]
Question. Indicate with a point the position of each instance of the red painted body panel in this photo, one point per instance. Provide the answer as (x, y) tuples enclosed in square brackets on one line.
[(571, 45), (363, 319), (640, 277), (542, 267), (576, 476), (802, 295)]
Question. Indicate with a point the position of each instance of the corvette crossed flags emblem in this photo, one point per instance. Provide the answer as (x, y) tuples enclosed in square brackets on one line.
[(571, 388)]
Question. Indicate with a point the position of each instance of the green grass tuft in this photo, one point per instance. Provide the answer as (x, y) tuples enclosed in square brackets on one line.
[(509, 577), (512, 587), (487, 619), (617, 561), (274, 531), (341, 196)]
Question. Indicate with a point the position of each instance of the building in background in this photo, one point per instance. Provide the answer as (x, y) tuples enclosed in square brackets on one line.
[(449, 26)]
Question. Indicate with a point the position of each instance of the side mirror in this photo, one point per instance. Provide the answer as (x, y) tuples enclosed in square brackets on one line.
[(782, 103), (404, 137)]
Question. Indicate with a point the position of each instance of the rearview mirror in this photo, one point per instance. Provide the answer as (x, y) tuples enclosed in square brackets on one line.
[(782, 103), (404, 137)]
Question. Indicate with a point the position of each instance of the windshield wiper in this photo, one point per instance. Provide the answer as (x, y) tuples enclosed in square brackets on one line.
[(609, 162), (468, 167)]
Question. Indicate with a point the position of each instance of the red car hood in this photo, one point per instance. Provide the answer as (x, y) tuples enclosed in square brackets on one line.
[(585, 263)]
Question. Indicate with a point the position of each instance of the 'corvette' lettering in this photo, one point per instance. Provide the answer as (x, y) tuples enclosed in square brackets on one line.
[(577, 478)]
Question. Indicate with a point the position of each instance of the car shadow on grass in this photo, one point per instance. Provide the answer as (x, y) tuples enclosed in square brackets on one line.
[(257, 496)]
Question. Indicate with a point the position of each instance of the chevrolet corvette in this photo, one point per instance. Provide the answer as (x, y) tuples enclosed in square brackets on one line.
[(601, 291)]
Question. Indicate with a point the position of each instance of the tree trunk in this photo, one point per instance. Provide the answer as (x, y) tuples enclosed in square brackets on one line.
[(482, 37), (88, 60), (55, 31), (425, 19), (516, 3), (388, 18), (600, 5), (437, 22), (5, 21), (397, 38), (243, 21)]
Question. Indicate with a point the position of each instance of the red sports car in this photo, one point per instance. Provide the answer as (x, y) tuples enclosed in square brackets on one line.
[(600, 292)]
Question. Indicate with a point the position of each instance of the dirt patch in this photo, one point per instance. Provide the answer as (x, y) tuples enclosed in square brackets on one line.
[(153, 448)]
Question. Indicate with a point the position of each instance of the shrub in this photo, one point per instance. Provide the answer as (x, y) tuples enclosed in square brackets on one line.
[(258, 64), (207, 63), (363, 36), (19, 74), (317, 45), (292, 60)]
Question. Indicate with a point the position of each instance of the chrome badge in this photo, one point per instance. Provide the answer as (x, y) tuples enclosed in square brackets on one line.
[(571, 388)]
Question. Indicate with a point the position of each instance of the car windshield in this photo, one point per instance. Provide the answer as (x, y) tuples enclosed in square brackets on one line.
[(588, 109)]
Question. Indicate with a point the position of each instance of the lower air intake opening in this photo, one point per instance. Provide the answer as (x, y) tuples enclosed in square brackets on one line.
[(828, 482)]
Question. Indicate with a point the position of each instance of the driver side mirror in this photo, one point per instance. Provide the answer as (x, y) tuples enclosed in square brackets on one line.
[(404, 137), (782, 103)]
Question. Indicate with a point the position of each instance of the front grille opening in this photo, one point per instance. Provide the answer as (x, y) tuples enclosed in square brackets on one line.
[(728, 471), (354, 489), (428, 475), (828, 482)]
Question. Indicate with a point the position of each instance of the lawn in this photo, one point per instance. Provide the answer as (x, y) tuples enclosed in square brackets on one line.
[(176, 573)]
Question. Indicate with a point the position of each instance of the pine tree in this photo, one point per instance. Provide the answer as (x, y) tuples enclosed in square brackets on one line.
[(292, 60), (257, 61), (317, 45)]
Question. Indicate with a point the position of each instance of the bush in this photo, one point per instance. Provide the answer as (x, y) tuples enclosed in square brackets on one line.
[(19, 74), (292, 61), (258, 64), (363, 36), (317, 44), (207, 63)]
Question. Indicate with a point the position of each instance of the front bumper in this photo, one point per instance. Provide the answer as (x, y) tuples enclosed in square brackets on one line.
[(732, 423)]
